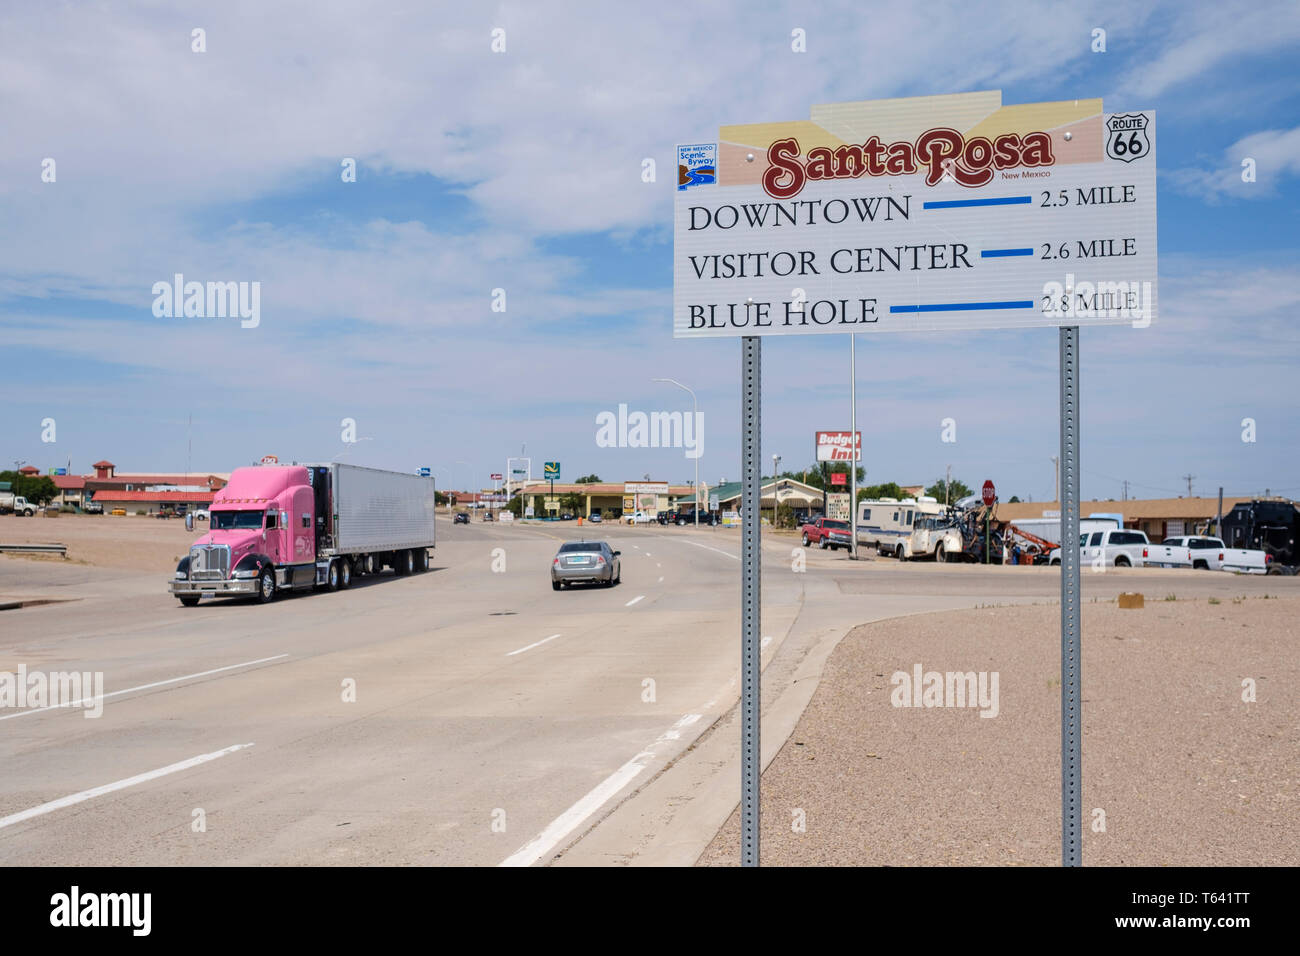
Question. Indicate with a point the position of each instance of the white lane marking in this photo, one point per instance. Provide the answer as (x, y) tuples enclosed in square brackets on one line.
[(119, 785), (634, 600), (647, 554), (696, 544), (572, 818), (661, 579), (531, 646), (131, 690)]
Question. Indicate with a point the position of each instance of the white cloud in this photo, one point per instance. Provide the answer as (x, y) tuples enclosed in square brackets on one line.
[(1274, 153)]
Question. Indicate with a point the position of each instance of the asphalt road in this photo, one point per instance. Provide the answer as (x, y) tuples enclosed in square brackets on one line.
[(494, 721)]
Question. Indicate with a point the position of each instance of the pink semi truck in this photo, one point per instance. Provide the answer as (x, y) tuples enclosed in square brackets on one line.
[(294, 527)]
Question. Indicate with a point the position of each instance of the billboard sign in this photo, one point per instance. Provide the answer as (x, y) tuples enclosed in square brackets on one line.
[(922, 214), (837, 506), (645, 487), (836, 446)]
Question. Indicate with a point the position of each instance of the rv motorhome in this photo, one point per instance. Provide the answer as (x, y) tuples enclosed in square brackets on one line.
[(883, 523)]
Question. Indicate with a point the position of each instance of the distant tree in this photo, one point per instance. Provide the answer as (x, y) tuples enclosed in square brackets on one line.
[(573, 502), (439, 498), (955, 489), (589, 480), (1013, 500), (515, 506), (818, 474), (889, 489), (38, 489)]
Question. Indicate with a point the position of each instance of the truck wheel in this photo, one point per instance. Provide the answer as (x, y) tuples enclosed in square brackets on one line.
[(805, 541), (1201, 565), (900, 554), (266, 586), (1122, 562), (421, 560), (823, 544), (189, 600), (404, 562), (940, 554), (368, 564), (345, 573), (332, 576)]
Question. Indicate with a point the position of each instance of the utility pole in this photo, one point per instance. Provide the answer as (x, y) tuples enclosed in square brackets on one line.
[(1188, 479), (947, 482), (1125, 498)]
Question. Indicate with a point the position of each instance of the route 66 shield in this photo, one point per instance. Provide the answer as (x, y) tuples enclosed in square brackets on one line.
[(1127, 136)]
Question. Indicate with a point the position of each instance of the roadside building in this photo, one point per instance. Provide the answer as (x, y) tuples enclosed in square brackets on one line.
[(1160, 518), (777, 492), (106, 485), (607, 497)]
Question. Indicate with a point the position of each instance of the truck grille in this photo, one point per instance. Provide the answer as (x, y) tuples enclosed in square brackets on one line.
[(210, 562)]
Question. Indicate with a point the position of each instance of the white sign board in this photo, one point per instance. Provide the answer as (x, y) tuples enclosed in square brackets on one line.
[(921, 214), (645, 488), (837, 506), (835, 446)]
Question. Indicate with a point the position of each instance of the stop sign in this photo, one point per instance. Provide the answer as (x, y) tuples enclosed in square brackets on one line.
[(988, 492)]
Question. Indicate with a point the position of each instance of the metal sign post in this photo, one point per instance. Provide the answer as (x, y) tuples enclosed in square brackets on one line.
[(853, 439), (1071, 739), (750, 565)]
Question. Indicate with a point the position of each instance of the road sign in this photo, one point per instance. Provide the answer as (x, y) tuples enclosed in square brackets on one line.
[(713, 502), (425, 472), (988, 493), (837, 506), (839, 478), (838, 446), (495, 477), (926, 213), (528, 512), (551, 471)]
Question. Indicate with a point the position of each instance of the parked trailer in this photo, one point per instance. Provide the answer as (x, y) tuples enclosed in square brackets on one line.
[(296, 527)]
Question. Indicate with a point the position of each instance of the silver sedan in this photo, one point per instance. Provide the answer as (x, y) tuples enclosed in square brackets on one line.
[(591, 561)]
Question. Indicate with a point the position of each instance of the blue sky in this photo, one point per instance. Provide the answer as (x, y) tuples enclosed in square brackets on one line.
[(522, 171)]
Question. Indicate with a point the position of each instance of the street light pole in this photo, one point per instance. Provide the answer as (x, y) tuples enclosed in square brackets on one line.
[(695, 422)]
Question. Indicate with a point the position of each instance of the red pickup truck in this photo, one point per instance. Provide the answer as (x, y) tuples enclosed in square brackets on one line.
[(826, 533)]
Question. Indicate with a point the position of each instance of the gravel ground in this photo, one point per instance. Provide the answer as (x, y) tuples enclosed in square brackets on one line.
[(106, 541), (1186, 772)]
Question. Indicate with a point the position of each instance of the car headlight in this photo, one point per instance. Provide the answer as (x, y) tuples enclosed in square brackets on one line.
[(244, 575), (182, 576)]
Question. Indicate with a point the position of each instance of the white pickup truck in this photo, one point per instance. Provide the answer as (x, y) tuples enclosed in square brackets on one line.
[(1114, 548), (1210, 554)]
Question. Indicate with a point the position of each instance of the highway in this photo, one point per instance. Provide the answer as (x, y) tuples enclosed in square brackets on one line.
[(492, 721)]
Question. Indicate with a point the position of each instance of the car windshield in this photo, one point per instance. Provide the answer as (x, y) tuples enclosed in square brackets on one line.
[(580, 546), (836, 525), (236, 520)]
